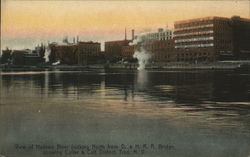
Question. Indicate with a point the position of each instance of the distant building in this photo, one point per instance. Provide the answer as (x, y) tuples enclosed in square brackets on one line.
[(88, 52), (210, 38), (128, 51), (241, 37), (161, 34), (160, 44), (163, 50), (67, 54), (52, 55), (113, 49), (6, 56), (25, 57)]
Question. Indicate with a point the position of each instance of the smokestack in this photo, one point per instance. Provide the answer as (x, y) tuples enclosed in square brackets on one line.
[(133, 34), (74, 40), (77, 39), (125, 33)]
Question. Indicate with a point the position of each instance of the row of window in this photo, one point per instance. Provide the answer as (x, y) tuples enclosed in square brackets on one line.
[(194, 45), (194, 33), (194, 39), (193, 24), (194, 28), (193, 54)]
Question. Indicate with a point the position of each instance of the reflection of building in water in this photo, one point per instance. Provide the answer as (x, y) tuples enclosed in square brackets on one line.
[(103, 87), (183, 87), (141, 80)]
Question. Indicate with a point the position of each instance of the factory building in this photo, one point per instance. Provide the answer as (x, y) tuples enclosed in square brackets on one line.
[(67, 54), (160, 44), (25, 57), (161, 34), (88, 52), (81, 53), (162, 50), (128, 51), (210, 38), (113, 49)]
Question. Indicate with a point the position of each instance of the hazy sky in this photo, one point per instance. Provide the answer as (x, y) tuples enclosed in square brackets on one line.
[(26, 23)]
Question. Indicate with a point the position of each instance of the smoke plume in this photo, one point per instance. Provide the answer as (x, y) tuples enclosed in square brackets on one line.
[(46, 54), (143, 57), (57, 63)]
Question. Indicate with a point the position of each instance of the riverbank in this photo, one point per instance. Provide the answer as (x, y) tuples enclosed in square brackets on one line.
[(226, 65)]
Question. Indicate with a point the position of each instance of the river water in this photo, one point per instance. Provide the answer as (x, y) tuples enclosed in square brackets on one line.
[(151, 113)]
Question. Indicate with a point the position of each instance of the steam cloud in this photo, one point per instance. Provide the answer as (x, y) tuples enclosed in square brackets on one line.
[(46, 54), (137, 40), (56, 63), (143, 57)]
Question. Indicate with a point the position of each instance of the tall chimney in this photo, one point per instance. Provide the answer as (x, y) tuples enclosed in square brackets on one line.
[(133, 34), (125, 33)]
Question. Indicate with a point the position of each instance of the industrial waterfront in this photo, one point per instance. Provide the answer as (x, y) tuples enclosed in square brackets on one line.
[(125, 79)]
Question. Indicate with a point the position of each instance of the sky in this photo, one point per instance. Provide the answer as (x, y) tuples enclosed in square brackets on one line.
[(26, 23)]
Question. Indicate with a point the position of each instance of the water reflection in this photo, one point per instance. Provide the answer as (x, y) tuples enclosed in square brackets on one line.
[(163, 106), (141, 80)]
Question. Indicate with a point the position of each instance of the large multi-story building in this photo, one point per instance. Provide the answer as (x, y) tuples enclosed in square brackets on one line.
[(210, 38), (128, 52), (67, 54), (161, 34), (162, 50), (160, 44), (113, 49), (88, 52), (81, 53)]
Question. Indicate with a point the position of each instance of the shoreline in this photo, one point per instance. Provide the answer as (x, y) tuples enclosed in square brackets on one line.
[(245, 65)]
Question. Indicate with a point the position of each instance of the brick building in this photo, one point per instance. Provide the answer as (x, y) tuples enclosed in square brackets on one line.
[(159, 43), (163, 50), (88, 52), (210, 38), (128, 51), (113, 49), (67, 54)]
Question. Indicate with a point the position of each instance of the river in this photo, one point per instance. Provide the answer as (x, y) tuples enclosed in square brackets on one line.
[(193, 113)]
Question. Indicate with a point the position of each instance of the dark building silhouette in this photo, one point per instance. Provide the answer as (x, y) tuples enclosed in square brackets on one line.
[(25, 57), (67, 54), (6, 56), (241, 37)]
